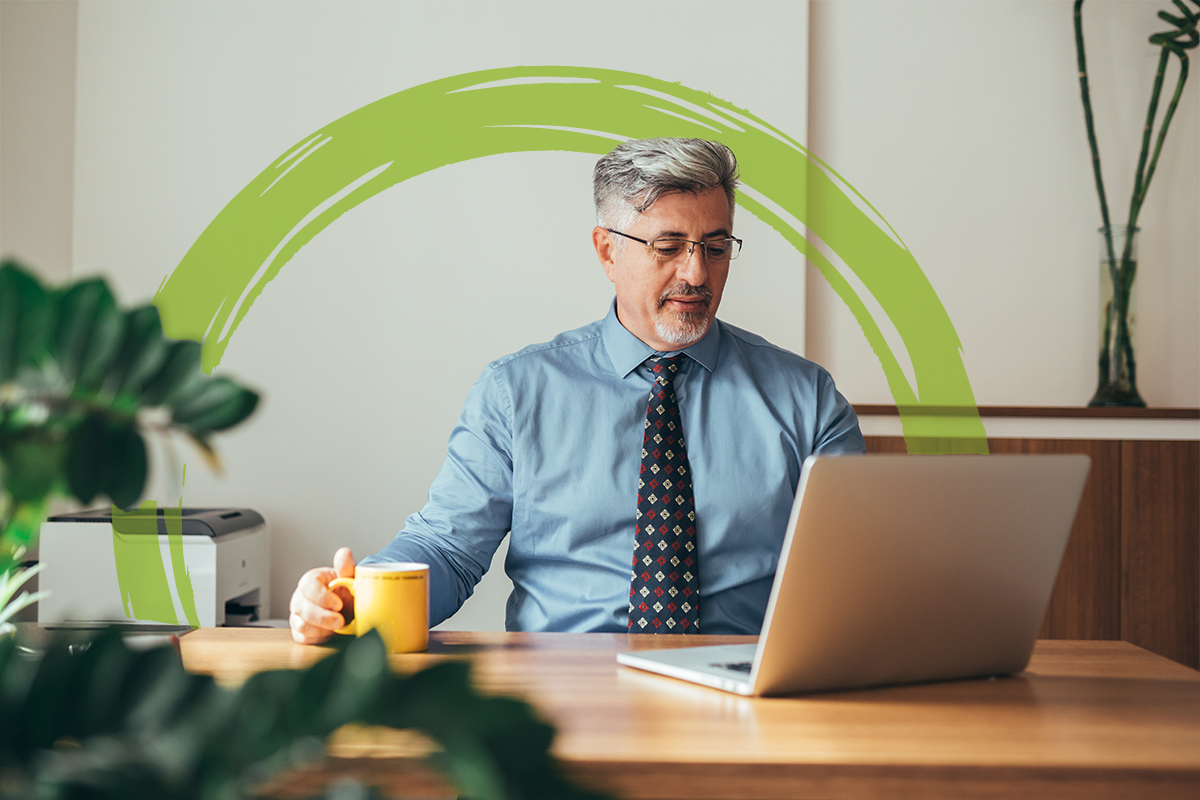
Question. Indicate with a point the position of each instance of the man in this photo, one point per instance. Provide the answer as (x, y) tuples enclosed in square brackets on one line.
[(558, 444)]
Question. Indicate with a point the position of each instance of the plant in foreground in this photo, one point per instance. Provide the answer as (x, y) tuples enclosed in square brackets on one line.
[(101, 720)]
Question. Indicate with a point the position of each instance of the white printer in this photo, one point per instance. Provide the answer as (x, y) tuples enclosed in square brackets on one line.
[(226, 559)]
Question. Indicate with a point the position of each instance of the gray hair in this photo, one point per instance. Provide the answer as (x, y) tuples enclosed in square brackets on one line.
[(635, 174)]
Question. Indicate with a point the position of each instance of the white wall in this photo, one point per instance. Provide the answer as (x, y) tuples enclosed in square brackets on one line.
[(962, 123), (37, 132), (367, 342)]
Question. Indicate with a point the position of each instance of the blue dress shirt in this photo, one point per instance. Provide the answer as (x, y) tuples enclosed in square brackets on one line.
[(548, 449)]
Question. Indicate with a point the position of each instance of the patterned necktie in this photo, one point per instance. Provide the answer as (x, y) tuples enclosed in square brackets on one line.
[(664, 586)]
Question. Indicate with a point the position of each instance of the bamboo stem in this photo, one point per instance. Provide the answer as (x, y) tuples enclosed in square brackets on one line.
[(1166, 123), (1138, 192), (1091, 134)]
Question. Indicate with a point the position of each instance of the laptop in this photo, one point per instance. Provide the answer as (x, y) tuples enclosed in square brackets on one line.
[(901, 569)]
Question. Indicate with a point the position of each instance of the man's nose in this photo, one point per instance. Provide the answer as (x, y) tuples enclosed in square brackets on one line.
[(692, 269)]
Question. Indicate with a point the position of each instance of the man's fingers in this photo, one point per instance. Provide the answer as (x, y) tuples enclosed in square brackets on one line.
[(304, 633), (315, 614), (343, 562), (314, 585), (314, 607)]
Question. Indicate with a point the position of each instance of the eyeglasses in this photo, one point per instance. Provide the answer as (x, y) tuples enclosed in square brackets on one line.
[(666, 250)]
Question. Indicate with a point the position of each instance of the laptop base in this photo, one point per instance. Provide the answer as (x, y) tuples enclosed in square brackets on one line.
[(725, 666)]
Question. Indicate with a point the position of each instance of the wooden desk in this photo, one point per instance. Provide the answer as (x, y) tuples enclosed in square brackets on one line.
[(1088, 719)]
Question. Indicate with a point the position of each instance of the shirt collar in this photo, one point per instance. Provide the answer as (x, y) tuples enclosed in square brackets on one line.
[(627, 351)]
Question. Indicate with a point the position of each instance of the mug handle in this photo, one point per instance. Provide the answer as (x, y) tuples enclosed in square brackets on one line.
[(348, 583)]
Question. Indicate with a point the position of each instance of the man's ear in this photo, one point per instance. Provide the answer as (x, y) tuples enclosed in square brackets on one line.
[(605, 250)]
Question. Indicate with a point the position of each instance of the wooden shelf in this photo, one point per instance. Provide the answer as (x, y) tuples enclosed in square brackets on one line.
[(1082, 412)]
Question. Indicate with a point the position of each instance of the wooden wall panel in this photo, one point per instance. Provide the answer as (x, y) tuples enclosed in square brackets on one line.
[(1086, 602), (1160, 546), (885, 444)]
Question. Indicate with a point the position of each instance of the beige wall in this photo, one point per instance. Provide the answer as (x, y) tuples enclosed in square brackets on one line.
[(37, 132)]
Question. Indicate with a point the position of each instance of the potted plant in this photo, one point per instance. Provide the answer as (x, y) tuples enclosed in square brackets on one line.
[(1118, 367)]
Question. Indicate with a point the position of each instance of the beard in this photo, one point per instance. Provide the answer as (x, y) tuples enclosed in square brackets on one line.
[(683, 328)]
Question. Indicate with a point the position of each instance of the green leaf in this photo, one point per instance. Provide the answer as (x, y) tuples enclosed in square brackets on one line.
[(24, 320), (20, 530), (88, 332), (106, 457), (12, 580), (125, 465), (45, 708), (85, 458), (219, 404), (179, 375), (154, 680), (97, 688), (31, 468), (141, 353)]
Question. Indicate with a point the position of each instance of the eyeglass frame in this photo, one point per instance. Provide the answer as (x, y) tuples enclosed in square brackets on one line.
[(703, 245)]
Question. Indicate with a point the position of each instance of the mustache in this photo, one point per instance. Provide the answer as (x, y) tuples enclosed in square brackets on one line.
[(686, 290)]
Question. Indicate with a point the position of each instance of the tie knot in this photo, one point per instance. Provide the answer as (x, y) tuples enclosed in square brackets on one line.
[(665, 369)]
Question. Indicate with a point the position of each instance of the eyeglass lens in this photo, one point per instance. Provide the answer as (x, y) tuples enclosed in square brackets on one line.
[(716, 250)]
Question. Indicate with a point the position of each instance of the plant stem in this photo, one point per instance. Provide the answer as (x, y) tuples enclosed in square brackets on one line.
[(1139, 175), (1139, 198), (1091, 134), (1128, 268), (1124, 339)]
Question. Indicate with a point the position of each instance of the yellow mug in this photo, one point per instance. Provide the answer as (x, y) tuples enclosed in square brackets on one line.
[(392, 599)]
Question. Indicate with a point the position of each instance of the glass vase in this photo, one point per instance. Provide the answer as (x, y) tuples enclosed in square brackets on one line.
[(1118, 319)]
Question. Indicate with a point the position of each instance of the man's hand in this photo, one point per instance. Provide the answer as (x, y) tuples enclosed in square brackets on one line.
[(314, 608)]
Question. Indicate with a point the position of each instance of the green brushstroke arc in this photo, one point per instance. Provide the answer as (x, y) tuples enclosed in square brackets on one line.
[(574, 109), (141, 573), (141, 576), (173, 519)]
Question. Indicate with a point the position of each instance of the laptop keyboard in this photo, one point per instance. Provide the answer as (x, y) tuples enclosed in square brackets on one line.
[(737, 666)]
